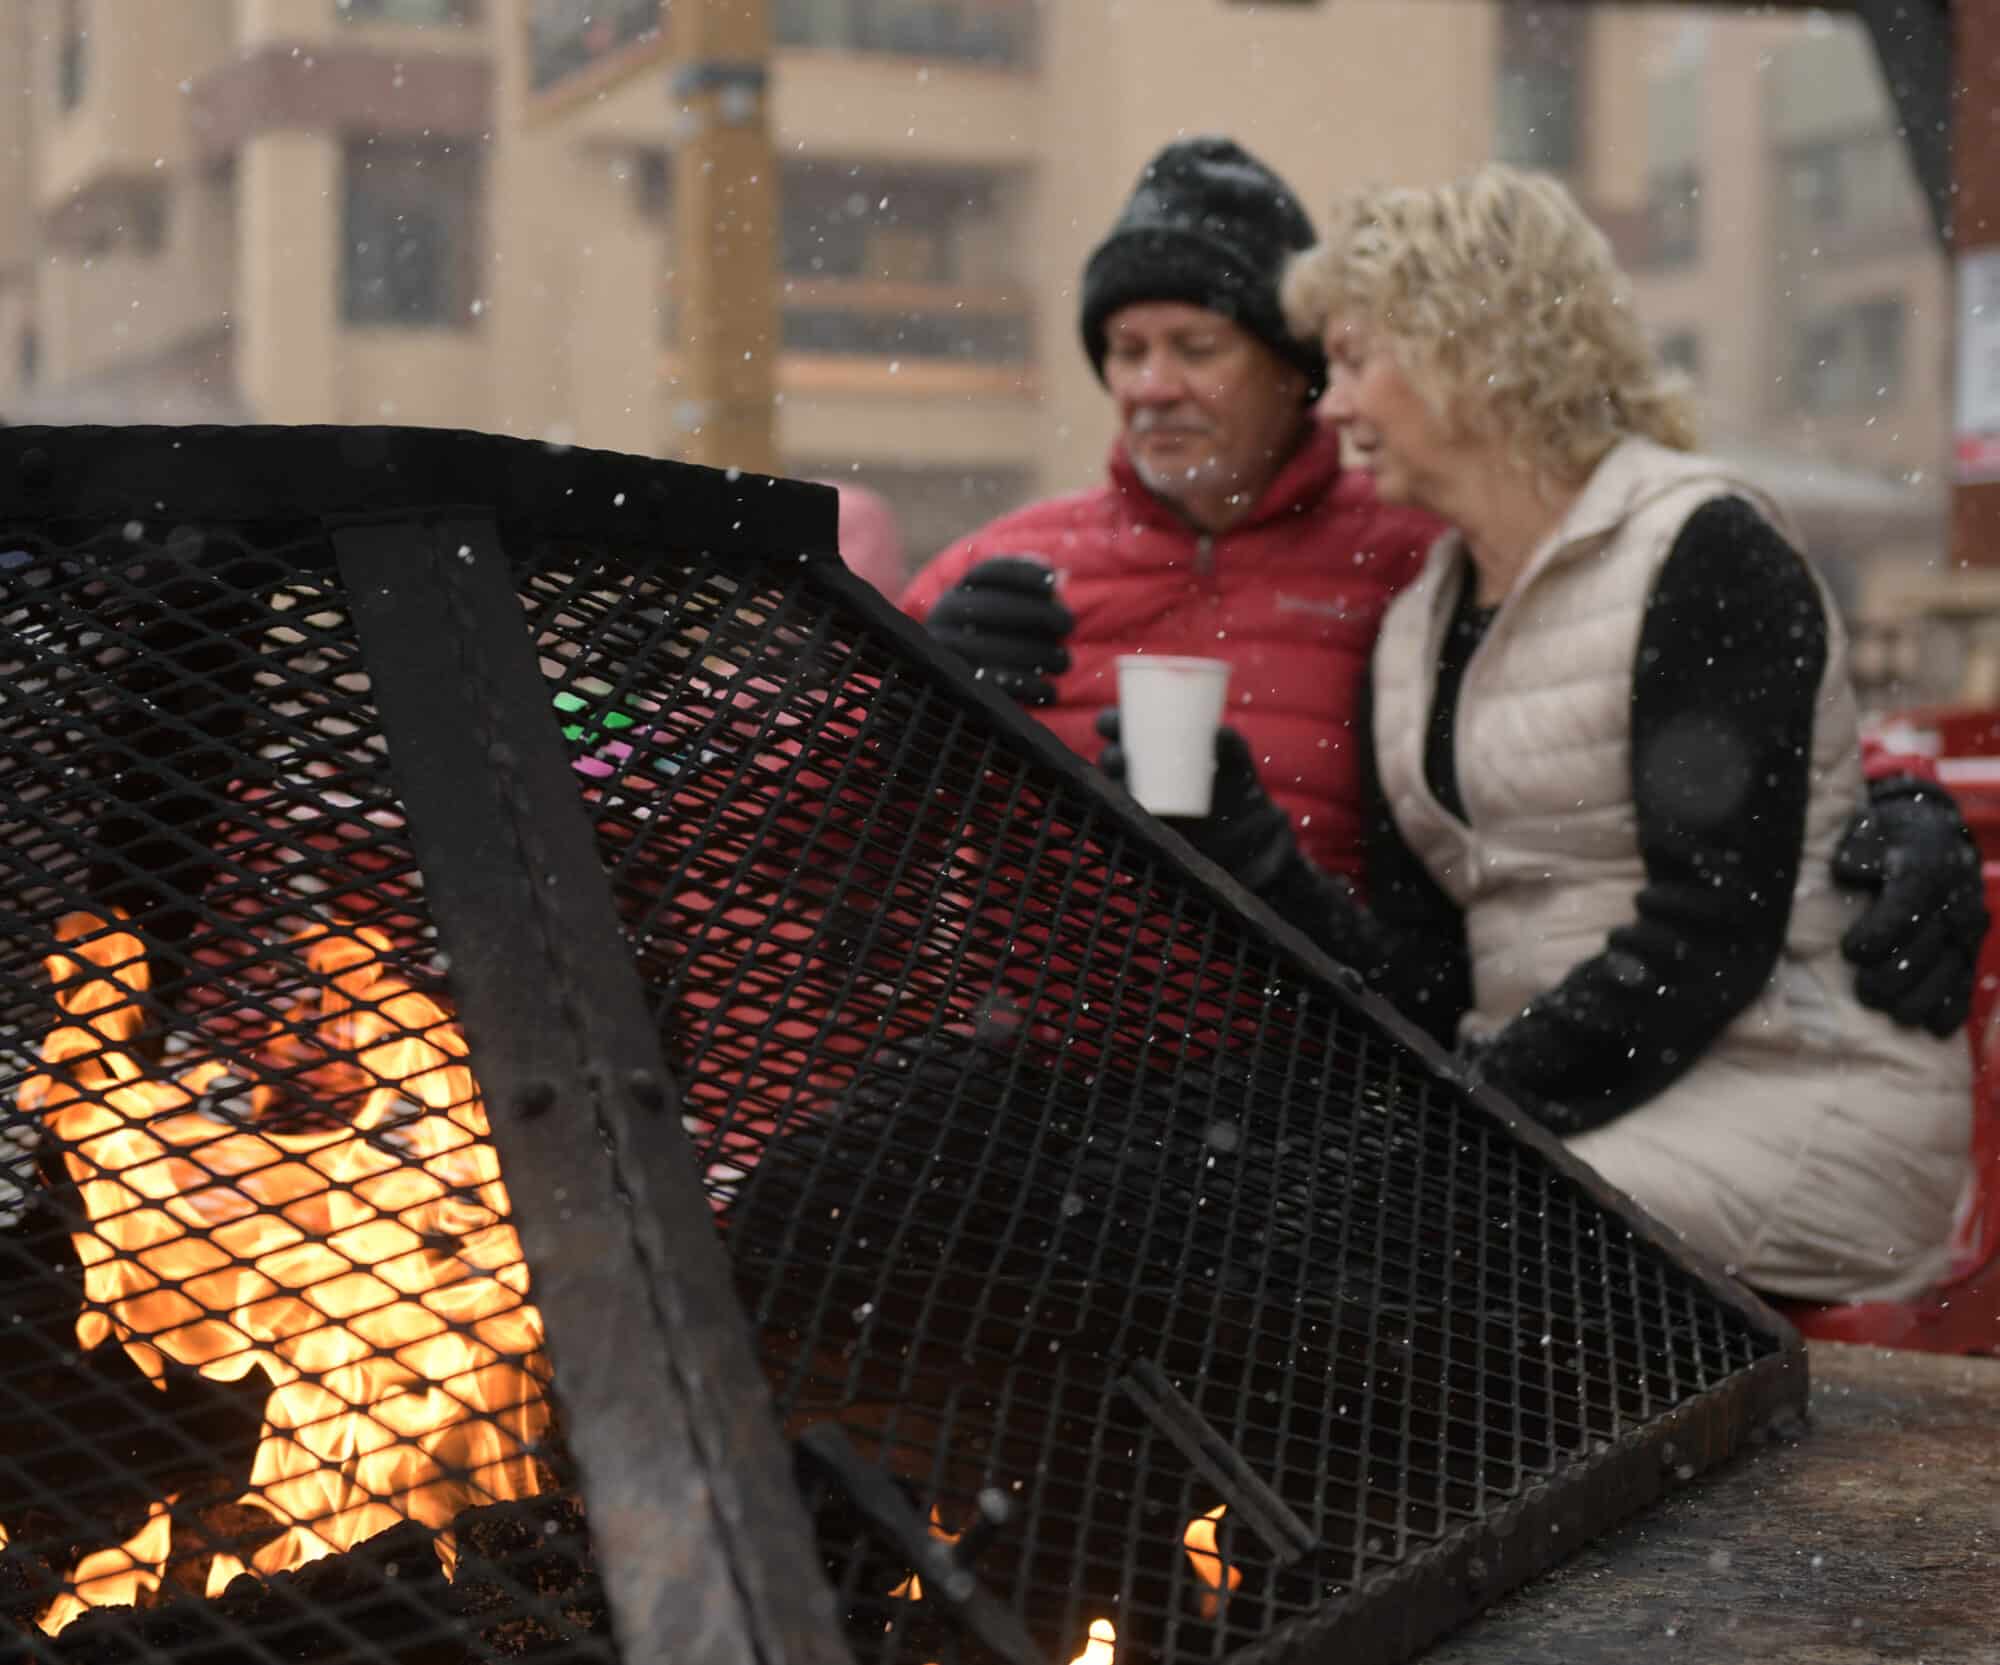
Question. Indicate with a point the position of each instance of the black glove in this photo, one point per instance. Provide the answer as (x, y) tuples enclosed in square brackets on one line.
[(1917, 946), (1250, 838), (1244, 833), (1002, 619), (1481, 1068)]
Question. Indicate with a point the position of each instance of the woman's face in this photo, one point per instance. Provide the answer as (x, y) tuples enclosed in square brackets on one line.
[(1389, 425)]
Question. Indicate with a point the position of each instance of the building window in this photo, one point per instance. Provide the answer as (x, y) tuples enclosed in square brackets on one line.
[(883, 262), (1673, 216), (653, 186), (116, 217), (976, 31), (1878, 327), (1851, 356), (72, 55), (144, 228), (1850, 194), (1821, 375), (1539, 100), (409, 218), (893, 225), (567, 35), (1680, 350), (423, 12), (851, 331), (1819, 196)]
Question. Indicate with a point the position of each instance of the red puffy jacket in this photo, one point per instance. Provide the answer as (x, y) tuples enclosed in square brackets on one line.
[(1292, 597)]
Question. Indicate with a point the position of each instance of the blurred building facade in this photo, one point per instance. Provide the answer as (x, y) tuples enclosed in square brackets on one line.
[(457, 212)]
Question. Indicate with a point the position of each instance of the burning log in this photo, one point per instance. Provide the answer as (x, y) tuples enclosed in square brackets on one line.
[(524, 1585), (364, 1268)]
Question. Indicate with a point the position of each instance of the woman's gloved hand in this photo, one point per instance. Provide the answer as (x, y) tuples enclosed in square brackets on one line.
[(1002, 618), (1484, 1062), (1917, 946), (1244, 833)]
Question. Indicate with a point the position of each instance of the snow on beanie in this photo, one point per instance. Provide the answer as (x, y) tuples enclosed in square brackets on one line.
[(1208, 224)]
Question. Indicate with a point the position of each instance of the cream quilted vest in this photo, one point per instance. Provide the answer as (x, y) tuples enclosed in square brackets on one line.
[(1816, 1148)]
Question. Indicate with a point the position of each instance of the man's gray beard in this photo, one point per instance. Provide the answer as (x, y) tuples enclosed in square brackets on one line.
[(1174, 484)]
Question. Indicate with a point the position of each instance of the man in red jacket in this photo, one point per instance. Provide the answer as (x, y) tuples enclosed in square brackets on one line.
[(1227, 528)]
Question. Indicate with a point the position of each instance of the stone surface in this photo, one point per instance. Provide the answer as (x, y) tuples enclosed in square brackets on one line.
[(1872, 1533)]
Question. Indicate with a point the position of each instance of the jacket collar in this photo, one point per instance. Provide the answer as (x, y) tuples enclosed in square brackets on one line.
[(1307, 475), (1629, 476)]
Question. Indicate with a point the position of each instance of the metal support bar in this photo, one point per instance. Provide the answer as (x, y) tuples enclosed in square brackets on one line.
[(1251, 1501), (701, 1538), (1913, 41), (945, 1569), (723, 251)]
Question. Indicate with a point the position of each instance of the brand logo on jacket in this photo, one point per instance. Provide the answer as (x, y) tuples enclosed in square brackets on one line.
[(1311, 604)]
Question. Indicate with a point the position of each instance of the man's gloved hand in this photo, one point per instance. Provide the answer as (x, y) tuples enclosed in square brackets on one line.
[(1917, 946), (1250, 838), (1244, 833), (1002, 619)]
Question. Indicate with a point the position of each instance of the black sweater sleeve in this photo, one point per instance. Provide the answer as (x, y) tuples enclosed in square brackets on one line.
[(1731, 652), (1419, 962)]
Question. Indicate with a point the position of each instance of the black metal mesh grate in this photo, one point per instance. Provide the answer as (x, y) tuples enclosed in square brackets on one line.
[(1113, 1235), (265, 1312), (1004, 1119)]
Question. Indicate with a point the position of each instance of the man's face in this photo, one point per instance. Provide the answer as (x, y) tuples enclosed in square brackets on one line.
[(1209, 412)]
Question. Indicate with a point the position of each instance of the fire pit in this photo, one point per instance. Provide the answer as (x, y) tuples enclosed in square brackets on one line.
[(572, 1090)]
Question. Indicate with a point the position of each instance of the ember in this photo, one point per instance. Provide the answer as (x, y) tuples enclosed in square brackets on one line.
[(115, 1577), (367, 1266), (1206, 1559)]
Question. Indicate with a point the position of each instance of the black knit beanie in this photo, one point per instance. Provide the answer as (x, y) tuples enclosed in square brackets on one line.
[(1208, 224)]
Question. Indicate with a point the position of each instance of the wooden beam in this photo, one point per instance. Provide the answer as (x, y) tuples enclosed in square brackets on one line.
[(1975, 149), (1913, 45), (723, 255)]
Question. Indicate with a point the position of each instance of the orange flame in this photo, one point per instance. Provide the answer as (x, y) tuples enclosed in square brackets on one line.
[(1205, 1556), (368, 1267), (115, 1577), (1100, 1649), (223, 1571), (912, 1587)]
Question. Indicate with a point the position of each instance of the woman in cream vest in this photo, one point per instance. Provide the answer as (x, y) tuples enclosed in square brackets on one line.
[(1616, 746)]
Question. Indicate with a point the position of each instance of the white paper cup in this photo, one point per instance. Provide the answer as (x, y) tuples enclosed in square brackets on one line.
[(1168, 711)]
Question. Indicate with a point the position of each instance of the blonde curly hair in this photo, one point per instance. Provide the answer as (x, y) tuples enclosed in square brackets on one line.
[(1507, 309)]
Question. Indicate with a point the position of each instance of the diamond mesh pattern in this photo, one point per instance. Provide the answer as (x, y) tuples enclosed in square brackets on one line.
[(1063, 1186), (263, 1302), (993, 1104)]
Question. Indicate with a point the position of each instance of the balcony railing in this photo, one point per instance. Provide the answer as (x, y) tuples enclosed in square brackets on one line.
[(872, 320), (565, 36), (995, 32), (864, 319), (418, 13)]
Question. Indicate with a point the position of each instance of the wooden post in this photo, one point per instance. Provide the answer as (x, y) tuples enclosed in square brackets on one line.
[(722, 258), (1975, 174)]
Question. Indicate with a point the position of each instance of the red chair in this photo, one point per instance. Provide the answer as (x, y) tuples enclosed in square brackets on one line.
[(1962, 1314)]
